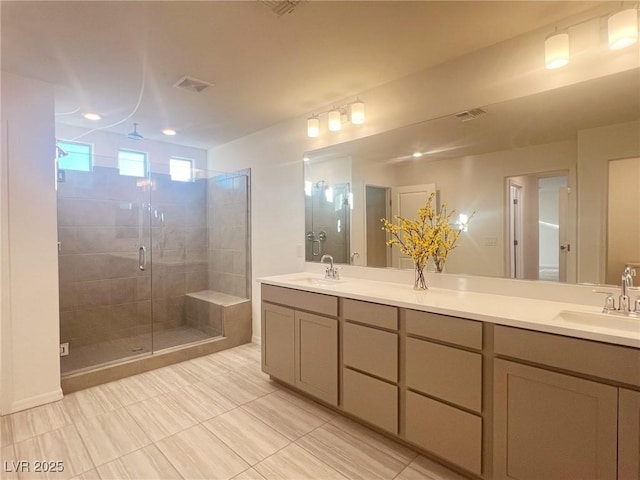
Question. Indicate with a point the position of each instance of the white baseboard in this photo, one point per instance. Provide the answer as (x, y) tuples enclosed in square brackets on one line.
[(256, 339), (36, 401)]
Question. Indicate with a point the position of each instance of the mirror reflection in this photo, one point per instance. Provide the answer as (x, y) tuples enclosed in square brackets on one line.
[(553, 179)]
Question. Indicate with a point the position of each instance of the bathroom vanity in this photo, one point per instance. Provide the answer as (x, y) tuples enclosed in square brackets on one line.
[(494, 386)]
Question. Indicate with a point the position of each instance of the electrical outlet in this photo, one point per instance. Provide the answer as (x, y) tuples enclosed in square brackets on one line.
[(490, 241), (64, 349)]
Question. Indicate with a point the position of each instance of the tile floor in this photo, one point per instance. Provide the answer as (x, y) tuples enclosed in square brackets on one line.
[(215, 417)]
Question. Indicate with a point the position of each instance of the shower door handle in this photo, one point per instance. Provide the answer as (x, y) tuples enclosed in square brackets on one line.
[(142, 258)]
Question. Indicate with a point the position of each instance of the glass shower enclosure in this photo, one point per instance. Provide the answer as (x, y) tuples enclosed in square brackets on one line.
[(138, 254)]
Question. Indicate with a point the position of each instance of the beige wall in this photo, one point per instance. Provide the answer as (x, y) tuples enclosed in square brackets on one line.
[(29, 313)]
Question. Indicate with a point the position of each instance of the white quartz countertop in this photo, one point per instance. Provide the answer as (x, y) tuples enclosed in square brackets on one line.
[(570, 319)]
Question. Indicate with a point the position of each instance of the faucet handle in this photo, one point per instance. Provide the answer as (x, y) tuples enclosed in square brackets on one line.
[(609, 302)]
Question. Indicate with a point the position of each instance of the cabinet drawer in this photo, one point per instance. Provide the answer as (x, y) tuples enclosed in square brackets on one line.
[(467, 333), (445, 372), (373, 314), (449, 433), (613, 362), (370, 350), (298, 299), (370, 399)]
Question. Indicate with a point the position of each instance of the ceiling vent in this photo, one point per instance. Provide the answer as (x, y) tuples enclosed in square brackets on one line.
[(469, 115), (192, 84), (279, 7)]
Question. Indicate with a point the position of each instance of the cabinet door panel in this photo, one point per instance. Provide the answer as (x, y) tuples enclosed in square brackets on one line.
[(552, 426), (278, 342), (316, 362), (629, 435), (446, 431), (370, 350), (445, 372), (371, 399)]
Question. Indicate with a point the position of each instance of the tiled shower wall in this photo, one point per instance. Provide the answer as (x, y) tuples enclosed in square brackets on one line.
[(103, 218), (229, 270)]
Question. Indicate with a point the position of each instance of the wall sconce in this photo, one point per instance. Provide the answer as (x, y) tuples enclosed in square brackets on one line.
[(353, 112), (556, 50), (622, 32), (623, 29)]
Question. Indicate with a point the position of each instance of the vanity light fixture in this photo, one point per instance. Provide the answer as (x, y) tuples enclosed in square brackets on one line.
[(417, 154), (169, 132), (623, 29), (556, 50), (91, 116), (353, 112)]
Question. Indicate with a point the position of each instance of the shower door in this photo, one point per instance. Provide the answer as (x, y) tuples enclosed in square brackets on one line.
[(104, 266)]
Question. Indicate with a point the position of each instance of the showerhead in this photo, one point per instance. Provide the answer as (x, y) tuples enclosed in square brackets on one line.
[(135, 135)]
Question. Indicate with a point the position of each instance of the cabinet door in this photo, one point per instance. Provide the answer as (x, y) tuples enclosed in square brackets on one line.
[(552, 426), (629, 435), (278, 342), (316, 356)]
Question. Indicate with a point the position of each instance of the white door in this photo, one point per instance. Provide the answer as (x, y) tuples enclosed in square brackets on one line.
[(515, 230), (406, 201), (563, 233)]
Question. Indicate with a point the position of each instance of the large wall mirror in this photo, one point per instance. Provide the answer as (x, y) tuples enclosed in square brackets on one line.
[(553, 179)]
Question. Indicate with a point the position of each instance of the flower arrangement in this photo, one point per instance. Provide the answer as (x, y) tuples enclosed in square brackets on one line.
[(431, 235)]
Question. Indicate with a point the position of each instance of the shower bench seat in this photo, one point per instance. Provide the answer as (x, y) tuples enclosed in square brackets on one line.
[(214, 312)]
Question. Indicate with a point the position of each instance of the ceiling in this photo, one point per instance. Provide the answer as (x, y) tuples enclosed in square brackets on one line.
[(121, 58)]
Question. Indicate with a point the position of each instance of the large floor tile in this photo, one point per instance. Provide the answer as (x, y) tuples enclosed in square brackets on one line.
[(394, 449), (63, 445), (203, 369), (249, 474), (434, 470), (111, 435), (147, 463), (201, 401), (6, 431), (171, 378), (90, 475), (91, 402), (252, 372), (295, 463), (36, 421), (283, 416), (350, 456), (9, 462), (161, 416), (198, 454), (237, 388), (307, 404), (232, 358), (249, 437), (133, 389)]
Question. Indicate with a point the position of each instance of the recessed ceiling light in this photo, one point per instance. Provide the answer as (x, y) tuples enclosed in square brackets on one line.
[(169, 131), (306, 159), (91, 116), (417, 154)]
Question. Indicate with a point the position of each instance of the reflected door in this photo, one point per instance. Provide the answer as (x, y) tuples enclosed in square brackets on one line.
[(406, 201), (328, 213)]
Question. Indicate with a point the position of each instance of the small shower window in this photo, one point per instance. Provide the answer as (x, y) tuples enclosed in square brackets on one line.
[(132, 163), (181, 169), (75, 156)]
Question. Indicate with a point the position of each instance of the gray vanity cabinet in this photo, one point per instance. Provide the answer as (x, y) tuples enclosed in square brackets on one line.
[(443, 378), (559, 408), (300, 347), (370, 363), (629, 435)]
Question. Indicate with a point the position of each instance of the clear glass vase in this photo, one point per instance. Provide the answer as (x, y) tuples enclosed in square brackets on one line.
[(420, 282)]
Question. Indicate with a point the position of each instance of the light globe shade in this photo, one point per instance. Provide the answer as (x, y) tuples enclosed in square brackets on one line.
[(335, 121), (357, 112), (556, 50), (623, 29), (313, 127)]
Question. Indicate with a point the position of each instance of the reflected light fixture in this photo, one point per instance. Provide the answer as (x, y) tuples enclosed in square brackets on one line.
[(357, 112), (169, 131), (335, 121), (416, 154), (91, 116), (350, 112), (623, 29), (313, 126), (556, 50)]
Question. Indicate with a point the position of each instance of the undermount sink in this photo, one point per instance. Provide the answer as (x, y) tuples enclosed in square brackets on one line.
[(326, 282), (617, 322)]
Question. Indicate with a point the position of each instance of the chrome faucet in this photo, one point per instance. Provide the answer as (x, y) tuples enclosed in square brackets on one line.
[(624, 303), (331, 272)]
